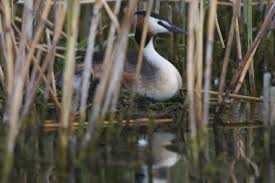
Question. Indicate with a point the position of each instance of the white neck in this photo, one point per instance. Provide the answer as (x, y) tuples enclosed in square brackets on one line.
[(169, 80), (152, 56)]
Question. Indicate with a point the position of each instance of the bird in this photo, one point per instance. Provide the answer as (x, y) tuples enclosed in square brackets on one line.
[(159, 78)]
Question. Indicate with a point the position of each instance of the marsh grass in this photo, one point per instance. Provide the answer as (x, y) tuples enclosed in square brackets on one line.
[(41, 41)]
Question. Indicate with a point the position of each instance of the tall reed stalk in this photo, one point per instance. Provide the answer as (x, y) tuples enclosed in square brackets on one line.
[(208, 59), (140, 53), (89, 59), (8, 34), (72, 32), (190, 68), (249, 43), (19, 72), (199, 62), (228, 50)]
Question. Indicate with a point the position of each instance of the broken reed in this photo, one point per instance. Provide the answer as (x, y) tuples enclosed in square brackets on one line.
[(28, 57)]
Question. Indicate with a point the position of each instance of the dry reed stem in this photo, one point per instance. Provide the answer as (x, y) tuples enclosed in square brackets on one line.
[(266, 102), (88, 61), (141, 47), (36, 39), (115, 79), (53, 125), (246, 67), (119, 54), (142, 43), (111, 15), (16, 94), (9, 45), (219, 32), (47, 50), (107, 59), (237, 32), (67, 90), (60, 16), (2, 78), (117, 67), (238, 40), (228, 50), (199, 62), (48, 23), (140, 54), (235, 96), (208, 59), (249, 42), (4, 56), (243, 67), (32, 87), (171, 38), (29, 13), (107, 65), (52, 89), (190, 69), (16, 99), (26, 35)]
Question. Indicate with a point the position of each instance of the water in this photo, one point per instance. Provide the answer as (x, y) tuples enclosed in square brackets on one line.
[(144, 156)]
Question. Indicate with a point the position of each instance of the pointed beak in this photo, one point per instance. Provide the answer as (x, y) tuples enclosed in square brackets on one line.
[(172, 28), (175, 29)]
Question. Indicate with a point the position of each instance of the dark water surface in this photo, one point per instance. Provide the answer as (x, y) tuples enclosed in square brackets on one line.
[(141, 156)]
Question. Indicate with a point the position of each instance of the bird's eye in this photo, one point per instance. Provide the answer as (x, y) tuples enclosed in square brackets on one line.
[(160, 22)]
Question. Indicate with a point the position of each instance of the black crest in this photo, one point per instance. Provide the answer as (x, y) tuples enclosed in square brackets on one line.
[(143, 13)]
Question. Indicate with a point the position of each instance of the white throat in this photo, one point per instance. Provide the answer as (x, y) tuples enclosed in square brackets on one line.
[(169, 80)]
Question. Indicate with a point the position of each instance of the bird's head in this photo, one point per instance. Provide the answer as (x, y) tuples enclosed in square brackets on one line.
[(157, 24)]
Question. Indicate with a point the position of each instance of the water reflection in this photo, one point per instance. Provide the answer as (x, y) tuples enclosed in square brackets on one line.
[(161, 159), (244, 155)]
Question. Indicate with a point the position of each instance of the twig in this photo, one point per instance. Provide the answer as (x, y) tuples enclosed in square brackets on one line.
[(48, 23), (235, 96)]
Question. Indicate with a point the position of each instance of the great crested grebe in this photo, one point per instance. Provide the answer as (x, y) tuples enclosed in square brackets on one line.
[(159, 79)]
